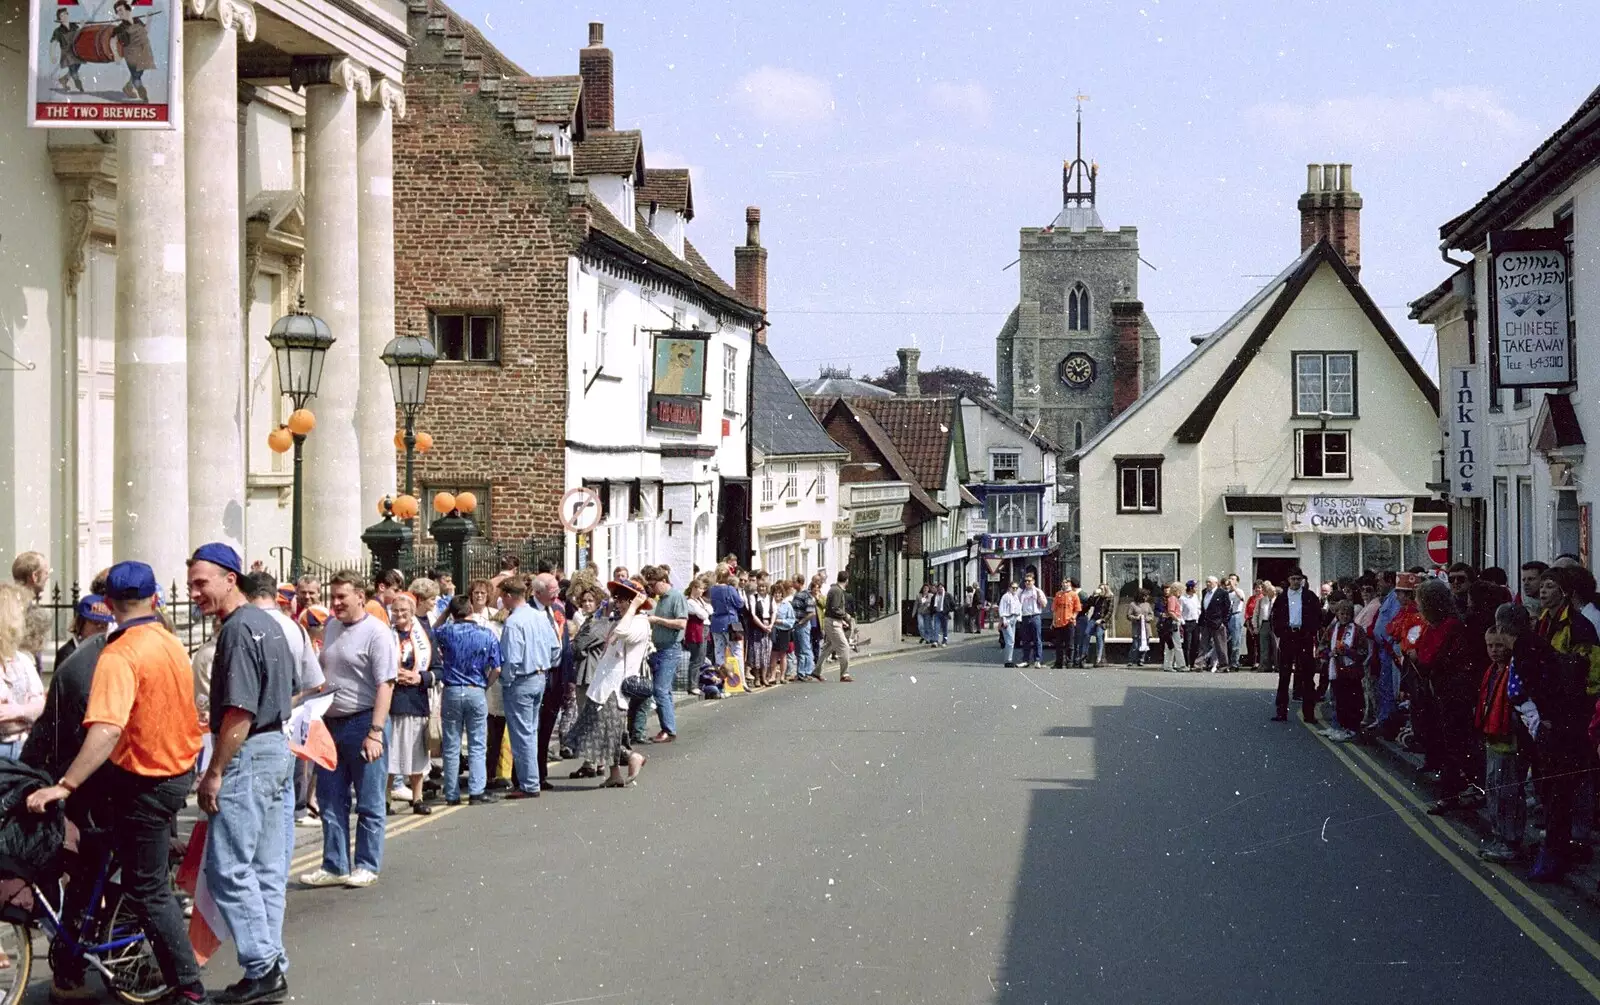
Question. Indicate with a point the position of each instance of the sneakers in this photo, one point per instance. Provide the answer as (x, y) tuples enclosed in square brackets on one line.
[(360, 879), (307, 821), (322, 877), (1497, 851)]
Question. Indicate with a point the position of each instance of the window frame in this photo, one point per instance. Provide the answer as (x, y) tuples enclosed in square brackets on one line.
[(730, 379), (1078, 308), (999, 502), (480, 516), (791, 482), (605, 301), (1324, 356), (467, 315), (1140, 466), (1300, 436), (994, 469)]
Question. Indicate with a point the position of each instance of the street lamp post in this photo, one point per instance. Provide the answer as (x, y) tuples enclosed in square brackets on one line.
[(300, 342), (410, 359)]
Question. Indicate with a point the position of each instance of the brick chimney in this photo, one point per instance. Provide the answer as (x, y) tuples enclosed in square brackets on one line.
[(1128, 364), (1331, 208), (750, 265), (911, 385), (594, 66)]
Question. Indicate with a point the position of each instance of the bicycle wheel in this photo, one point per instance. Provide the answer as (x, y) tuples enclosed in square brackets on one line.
[(135, 976), (16, 942)]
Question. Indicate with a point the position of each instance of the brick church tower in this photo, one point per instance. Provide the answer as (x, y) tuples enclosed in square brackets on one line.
[(1078, 348)]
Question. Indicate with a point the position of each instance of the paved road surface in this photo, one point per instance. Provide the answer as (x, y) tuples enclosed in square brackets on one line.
[(946, 830)]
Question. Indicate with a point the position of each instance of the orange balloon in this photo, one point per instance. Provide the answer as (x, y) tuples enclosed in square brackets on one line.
[(466, 502), (280, 440), (399, 441), (301, 421), (424, 442), (405, 507), (444, 502)]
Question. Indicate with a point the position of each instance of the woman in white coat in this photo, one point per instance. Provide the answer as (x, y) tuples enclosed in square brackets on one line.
[(601, 732)]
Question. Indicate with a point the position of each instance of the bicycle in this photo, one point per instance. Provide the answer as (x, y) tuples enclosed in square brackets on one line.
[(107, 938)]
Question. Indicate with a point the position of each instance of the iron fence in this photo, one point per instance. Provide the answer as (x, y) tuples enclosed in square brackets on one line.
[(191, 627)]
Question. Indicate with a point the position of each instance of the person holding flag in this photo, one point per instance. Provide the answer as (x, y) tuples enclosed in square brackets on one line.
[(247, 789)]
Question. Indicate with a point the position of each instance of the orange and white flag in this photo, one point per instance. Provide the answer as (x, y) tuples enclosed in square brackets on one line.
[(207, 929), (309, 738)]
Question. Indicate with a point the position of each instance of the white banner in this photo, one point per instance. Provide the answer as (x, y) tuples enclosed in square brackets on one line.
[(1346, 515), (1466, 449)]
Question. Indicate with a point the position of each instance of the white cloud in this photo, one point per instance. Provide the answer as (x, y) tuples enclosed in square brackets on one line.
[(778, 96), (1375, 122), (969, 103)]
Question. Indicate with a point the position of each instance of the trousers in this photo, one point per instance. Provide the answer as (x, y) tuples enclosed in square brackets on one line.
[(1295, 661)]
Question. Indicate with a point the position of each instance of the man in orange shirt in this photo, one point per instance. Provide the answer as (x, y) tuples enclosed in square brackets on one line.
[(141, 717), (1064, 610)]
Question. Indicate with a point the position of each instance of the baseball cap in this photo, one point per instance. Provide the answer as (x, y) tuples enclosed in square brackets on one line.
[(93, 608), (130, 581), (220, 555), (315, 616), (1191, 583)]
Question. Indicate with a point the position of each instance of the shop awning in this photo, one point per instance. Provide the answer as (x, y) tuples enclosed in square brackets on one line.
[(1556, 430)]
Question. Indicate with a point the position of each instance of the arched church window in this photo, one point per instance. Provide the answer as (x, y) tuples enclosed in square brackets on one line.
[(1078, 308)]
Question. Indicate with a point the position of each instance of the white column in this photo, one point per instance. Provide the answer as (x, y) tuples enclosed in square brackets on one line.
[(333, 503), (375, 424), (216, 343), (150, 463)]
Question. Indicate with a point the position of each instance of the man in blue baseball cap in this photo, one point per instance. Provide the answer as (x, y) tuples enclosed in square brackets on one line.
[(91, 617), (141, 719), (247, 789)]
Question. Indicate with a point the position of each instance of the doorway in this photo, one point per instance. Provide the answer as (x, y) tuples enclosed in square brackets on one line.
[(1276, 570)]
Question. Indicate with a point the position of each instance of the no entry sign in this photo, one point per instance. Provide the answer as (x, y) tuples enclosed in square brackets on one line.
[(1439, 545)]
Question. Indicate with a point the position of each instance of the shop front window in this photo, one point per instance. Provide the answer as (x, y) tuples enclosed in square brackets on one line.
[(1127, 572)]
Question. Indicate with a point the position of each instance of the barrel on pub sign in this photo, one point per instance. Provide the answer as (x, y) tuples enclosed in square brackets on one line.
[(94, 43)]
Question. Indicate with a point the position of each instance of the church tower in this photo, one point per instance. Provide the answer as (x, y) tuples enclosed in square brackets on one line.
[(1078, 348)]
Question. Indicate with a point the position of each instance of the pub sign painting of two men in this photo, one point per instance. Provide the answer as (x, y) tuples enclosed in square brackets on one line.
[(103, 64)]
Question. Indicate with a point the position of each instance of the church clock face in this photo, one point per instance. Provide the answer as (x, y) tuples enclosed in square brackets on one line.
[(1078, 370)]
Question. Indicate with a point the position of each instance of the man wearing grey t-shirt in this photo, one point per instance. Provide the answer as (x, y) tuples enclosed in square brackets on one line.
[(360, 661)]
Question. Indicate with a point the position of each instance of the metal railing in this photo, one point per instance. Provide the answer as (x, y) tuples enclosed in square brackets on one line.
[(192, 628)]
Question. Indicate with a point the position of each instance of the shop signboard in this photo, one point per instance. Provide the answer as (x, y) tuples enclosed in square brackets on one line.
[(1346, 515), (1530, 343), (104, 64), (1464, 401)]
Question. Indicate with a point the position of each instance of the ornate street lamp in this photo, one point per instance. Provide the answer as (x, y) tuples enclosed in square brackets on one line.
[(300, 342), (410, 359)]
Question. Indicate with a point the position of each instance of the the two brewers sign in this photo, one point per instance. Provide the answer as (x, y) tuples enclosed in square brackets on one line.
[(104, 64), (1531, 341)]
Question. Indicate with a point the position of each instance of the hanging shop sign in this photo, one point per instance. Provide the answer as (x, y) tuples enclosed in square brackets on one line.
[(103, 64), (673, 414), (1466, 449), (1346, 515), (1531, 340), (676, 401)]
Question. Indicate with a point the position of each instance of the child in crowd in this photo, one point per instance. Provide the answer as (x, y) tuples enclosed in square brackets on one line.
[(711, 682)]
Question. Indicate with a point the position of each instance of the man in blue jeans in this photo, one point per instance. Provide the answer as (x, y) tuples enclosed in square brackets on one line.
[(248, 785), (360, 661), (667, 622), (469, 662), (529, 647), (805, 611)]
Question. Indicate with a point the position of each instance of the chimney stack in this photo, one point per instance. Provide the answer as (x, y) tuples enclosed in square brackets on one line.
[(1127, 378), (750, 266), (594, 66), (1331, 209), (912, 386)]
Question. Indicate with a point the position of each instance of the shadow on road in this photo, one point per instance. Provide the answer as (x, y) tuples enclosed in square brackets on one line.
[(1212, 856)]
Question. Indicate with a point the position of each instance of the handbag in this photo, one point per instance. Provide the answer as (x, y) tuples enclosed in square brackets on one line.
[(638, 686)]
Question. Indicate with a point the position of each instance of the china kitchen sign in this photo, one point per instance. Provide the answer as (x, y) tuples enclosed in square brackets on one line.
[(1346, 515), (1531, 340), (104, 64)]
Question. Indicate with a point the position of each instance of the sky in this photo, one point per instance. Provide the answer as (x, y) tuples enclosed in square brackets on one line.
[(896, 149)]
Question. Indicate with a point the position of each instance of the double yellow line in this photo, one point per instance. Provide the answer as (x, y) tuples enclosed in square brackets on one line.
[(393, 828), (1412, 811)]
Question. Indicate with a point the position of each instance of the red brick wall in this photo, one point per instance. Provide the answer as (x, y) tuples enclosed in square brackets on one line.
[(478, 223)]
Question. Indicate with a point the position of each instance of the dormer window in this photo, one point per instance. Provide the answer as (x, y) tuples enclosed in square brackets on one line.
[(1078, 308)]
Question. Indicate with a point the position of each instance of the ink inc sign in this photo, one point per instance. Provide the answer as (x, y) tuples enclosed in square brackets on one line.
[(1462, 398), (1531, 342)]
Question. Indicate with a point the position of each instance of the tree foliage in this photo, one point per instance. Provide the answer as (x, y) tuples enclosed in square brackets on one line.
[(941, 381)]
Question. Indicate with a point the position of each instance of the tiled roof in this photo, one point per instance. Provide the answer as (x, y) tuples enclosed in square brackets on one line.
[(780, 422), (1030, 430), (554, 99), (919, 428), (842, 387), (899, 468), (610, 151), (669, 189), (691, 272)]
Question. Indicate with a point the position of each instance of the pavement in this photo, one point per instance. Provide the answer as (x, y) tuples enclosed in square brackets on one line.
[(948, 830)]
